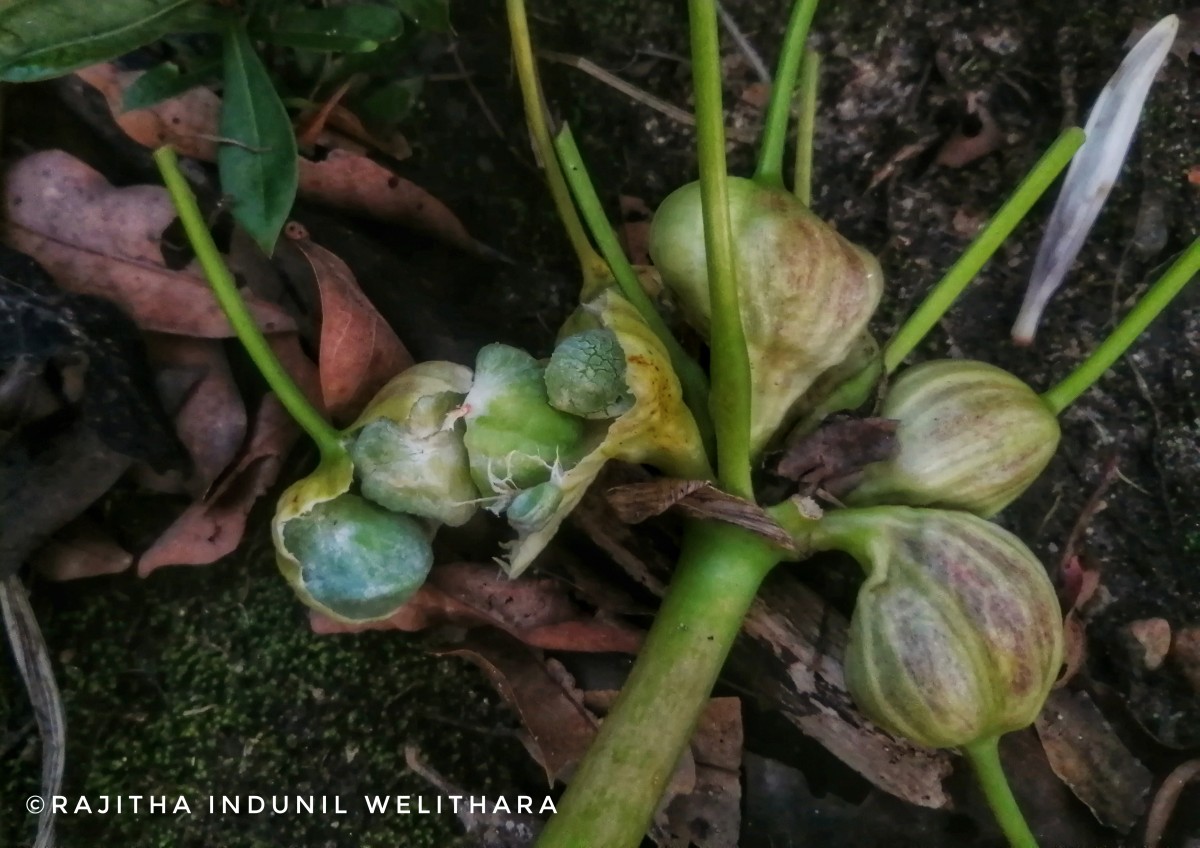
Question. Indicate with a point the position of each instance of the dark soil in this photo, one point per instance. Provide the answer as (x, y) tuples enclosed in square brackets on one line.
[(206, 680)]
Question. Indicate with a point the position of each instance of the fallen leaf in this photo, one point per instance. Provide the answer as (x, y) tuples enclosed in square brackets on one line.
[(81, 549), (187, 123), (359, 352), (696, 499), (559, 728), (1166, 798), (976, 135), (96, 239), (212, 527), (343, 179), (535, 610), (1082, 585), (1087, 755), (361, 186), (834, 455), (211, 420)]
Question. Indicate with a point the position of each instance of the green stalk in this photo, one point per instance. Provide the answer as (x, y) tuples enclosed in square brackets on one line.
[(986, 243), (985, 757), (592, 267), (691, 376), (729, 364), (1132, 325), (770, 155), (810, 74), (613, 795), (327, 438)]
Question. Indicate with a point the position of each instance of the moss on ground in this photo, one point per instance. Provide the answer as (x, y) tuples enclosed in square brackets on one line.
[(207, 681)]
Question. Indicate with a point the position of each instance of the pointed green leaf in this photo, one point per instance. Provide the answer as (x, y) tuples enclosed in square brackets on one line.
[(257, 159), (166, 81), (342, 29), (40, 39), (429, 14)]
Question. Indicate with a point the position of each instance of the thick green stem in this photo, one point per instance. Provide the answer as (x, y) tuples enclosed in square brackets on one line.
[(730, 364), (986, 243), (770, 155), (806, 121), (1126, 333), (321, 431), (614, 793), (592, 266), (692, 378), (985, 757)]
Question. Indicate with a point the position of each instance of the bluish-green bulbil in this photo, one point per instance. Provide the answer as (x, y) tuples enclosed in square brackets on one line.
[(407, 446), (357, 560), (514, 437), (533, 508), (586, 376)]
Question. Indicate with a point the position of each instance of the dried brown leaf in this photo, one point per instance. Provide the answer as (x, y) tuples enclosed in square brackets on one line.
[(344, 179), (838, 450), (559, 727), (1087, 755), (211, 420), (359, 352), (81, 549), (535, 610), (100, 240), (188, 122), (696, 499), (212, 527), (358, 185), (976, 136)]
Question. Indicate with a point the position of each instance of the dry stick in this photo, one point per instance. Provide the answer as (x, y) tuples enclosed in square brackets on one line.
[(33, 662), (743, 43), (631, 91), (1166, 798)]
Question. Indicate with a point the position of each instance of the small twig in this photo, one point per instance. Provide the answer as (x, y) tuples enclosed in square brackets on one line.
[(483, 107), (1091, 508), (631, 91), (33, 662), (743, 43), (1165, 800)]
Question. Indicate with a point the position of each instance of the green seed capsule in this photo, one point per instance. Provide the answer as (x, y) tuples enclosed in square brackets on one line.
[(805, 292), (586, 376), (356, 559), (514, 436), (956, 634), (971, 436)]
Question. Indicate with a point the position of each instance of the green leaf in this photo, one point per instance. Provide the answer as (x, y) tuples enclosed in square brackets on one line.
[(342, 29), (429, 14), (166, 81), (257, 159), (40, 39), (389, 104)]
